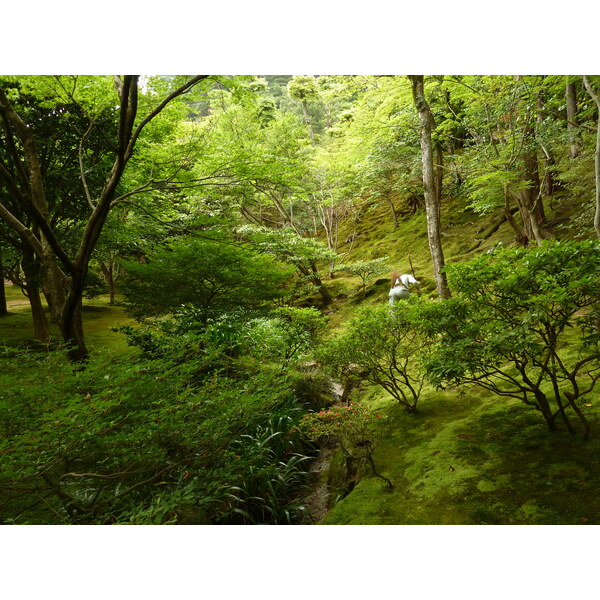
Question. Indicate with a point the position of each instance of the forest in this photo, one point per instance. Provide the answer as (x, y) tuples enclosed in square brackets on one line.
[(299, 299)]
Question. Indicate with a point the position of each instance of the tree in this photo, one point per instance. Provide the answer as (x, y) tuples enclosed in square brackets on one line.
[(3, 305), (523, 324), (431, 184), (211, 276), (66, 268), (508, 126), (286, 245), (366, 269)]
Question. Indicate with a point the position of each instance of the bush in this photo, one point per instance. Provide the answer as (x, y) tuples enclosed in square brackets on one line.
[(523, 324), (212, 277), (355, 428), (384, 346)]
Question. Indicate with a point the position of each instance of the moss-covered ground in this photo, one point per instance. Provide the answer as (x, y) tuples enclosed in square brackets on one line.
[(465, 457), (472, 459)]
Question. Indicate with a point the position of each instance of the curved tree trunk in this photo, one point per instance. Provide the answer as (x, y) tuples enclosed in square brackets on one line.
[(312, 274), (431, 185)]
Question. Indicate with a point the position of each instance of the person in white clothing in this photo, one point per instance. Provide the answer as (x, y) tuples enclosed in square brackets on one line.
[(400, 285)]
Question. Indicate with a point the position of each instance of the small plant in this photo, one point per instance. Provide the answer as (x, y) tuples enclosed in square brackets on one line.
[(274, 477), (286, 335)]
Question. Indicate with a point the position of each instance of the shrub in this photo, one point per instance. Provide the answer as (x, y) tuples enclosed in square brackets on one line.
[(355, 428), (386, 347), (523, 324), (147, 441)]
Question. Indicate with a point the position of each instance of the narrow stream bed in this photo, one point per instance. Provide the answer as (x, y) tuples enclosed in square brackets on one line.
[(317, 502)]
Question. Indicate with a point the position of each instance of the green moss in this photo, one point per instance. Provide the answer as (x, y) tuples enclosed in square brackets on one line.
[(474, 459)]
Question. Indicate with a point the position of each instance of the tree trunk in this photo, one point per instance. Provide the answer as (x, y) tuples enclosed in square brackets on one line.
[(572, 124), (530, 199), (71, 324), (32, 270), (108, 272), (53, 285), (432, 191), (596, 99), (312, 274), (548, 160), (72, 330), (3, 305), (393, 210), (520, 235)]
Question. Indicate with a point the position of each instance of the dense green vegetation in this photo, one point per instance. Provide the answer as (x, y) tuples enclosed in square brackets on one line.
[(198, 301)]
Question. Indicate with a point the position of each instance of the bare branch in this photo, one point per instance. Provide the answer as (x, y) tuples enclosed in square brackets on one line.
[(82, 170)]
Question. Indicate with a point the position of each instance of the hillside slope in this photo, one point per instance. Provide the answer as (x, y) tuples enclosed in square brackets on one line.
[(466, 457)]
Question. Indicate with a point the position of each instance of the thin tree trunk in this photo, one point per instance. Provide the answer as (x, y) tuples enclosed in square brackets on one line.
[(393, 209), (549, 162), (432, 191), (596, 99), (108, 272), (572, 124), (31, 269)]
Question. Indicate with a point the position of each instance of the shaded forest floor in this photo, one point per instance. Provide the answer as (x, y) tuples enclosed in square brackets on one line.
[(467, 458)]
